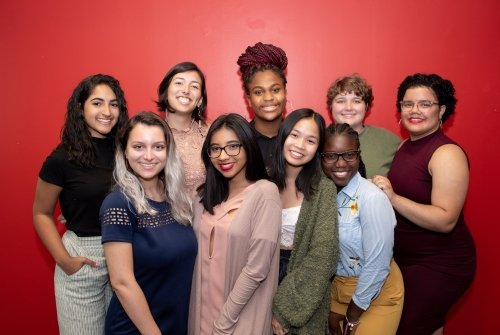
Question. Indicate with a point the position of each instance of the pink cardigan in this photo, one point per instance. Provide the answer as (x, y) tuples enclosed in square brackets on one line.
[(252, 265)]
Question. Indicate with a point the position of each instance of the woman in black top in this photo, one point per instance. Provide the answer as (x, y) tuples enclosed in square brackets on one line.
[(78, 175)]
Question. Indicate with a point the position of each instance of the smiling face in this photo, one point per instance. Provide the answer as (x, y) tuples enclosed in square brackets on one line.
[(302, 143), (267, 95), (231, 167), (146, 151), (419, 121), (341, 172), (184, 92), (100, 111), (349, 108)]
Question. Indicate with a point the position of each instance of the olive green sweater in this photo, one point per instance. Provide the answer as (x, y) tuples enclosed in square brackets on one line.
[(302, 302)]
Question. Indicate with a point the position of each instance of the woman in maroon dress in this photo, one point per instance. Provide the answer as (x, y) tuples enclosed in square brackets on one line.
[(427, 186)]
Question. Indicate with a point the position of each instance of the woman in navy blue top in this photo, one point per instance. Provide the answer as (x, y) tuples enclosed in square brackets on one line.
[(148, 240)]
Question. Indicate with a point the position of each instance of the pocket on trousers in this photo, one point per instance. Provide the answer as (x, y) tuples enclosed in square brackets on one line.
[(72, 245), (342, 291), (392, 292)]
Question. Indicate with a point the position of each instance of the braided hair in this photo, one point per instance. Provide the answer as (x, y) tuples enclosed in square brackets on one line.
[(261, 57), (344, 129)]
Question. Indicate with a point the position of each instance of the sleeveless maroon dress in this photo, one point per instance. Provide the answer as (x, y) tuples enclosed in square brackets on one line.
[(437, 268)]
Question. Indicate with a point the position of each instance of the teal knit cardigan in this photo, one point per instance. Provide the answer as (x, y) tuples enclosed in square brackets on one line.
[(302, 302)]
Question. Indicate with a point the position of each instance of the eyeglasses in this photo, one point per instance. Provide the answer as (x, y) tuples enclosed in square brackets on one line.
[(407, 105), (232, 149), (332, 157)]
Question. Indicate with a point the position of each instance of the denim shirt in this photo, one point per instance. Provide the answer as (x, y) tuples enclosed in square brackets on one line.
[(366, 234)]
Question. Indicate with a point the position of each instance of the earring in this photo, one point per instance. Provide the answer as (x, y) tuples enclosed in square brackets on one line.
[(289, 102), (440, 123), (399, 123)]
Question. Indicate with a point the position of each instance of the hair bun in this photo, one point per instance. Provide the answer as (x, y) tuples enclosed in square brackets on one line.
[(262, 54)]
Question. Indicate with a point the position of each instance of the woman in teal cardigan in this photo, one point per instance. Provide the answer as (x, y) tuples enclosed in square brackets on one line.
[(309, 242)]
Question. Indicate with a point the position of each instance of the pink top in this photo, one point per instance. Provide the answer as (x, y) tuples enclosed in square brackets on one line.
[(213, 245), (188, 143), (246, 241)]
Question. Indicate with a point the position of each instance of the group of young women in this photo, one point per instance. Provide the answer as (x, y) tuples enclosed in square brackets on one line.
[(260, 227)]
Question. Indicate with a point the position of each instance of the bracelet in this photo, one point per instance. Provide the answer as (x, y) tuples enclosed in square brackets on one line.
[(350, 325)]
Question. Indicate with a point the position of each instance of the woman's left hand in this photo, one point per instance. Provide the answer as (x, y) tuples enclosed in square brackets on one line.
[(334, 326), (350, 330)]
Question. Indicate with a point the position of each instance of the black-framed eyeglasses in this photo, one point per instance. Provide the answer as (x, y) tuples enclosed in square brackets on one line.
[(332, 157), (407, 105), (232, 149)]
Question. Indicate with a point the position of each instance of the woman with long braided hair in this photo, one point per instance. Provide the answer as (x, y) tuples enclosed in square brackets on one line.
[(263, 69)]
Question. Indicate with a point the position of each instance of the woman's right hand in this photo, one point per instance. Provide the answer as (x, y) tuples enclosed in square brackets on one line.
[(61, 219), (74, 264)]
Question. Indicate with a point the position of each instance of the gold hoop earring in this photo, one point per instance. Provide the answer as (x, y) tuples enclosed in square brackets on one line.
[(440, 123)]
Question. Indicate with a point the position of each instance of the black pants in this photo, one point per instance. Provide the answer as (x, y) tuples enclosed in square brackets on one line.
[(284, 259)]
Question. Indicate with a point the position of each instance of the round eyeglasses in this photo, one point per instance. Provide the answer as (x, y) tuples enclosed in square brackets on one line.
[(407, 105), (232, 149), (331, 157)]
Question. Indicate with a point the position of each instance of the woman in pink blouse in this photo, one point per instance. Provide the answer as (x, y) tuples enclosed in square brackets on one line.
[(182, 95), (237, 222)]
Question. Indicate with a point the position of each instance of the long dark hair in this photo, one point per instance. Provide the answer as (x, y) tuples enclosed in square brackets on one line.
[(215, 190), (75, 135), (308, 179)]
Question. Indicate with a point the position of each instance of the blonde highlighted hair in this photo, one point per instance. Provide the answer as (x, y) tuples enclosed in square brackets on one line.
[(172, 175)]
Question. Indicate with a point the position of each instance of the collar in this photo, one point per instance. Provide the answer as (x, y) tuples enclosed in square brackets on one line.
[(352, 187)]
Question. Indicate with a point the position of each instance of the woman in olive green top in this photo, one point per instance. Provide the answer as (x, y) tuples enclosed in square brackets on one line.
[(309, 236)]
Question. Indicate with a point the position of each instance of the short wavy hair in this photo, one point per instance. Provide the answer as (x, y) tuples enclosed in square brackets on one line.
[(350, 84)]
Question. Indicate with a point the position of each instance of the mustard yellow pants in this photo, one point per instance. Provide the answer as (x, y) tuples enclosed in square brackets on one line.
[(382, 317)]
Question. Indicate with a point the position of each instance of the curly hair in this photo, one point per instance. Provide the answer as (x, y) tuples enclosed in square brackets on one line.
[(350, 84), (75, 135), (344, 129), (172, 175), (310, 175), (262, 57), (199, 114), (442, 88)]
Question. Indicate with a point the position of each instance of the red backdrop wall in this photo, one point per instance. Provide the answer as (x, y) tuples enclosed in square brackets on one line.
[(49, 46)]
